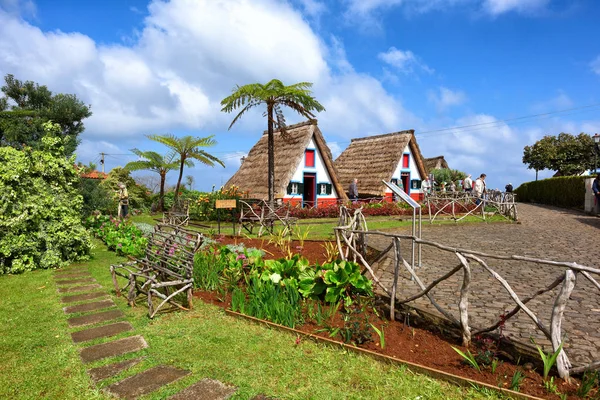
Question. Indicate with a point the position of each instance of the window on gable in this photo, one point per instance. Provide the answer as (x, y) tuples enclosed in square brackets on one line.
[(405, 158), (309, 158)]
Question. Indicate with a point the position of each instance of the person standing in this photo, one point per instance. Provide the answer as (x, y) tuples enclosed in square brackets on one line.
[(479, 188), (509, 188), (452, 187), (123, 200), (426, 186), (596, 188), (353, 190), (468, 184)]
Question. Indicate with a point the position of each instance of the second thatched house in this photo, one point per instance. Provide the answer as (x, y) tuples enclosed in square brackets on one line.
[(438, 162), (304, 171), (393, 157)]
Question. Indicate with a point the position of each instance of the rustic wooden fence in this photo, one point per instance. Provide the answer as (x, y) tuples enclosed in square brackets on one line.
[(459, 205), (353, 235)]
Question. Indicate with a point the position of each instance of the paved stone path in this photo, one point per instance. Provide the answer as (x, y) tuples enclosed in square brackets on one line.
[(544, 232), (90, 309)]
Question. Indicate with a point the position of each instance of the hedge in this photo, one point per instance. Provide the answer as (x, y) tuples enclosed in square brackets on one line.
[(563, 191)]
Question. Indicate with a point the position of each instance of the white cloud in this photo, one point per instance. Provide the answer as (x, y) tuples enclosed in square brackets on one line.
[(497, 7), (366, 12), (595, 65), (404, 61), (561, 101), (446, 98), (25, 8), (313, 8)]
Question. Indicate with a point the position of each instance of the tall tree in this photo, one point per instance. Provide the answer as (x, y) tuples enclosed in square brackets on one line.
[(565, 153), (27, 105), (274, 95), (155, 162), (188, 149)]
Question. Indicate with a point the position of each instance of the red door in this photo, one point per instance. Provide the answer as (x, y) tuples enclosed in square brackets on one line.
[(309, 190), (405, 177)]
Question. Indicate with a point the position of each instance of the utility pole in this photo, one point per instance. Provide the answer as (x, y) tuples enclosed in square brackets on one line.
[(102, 161)]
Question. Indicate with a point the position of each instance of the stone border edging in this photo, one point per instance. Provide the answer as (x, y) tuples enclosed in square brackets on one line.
[(432, 372)]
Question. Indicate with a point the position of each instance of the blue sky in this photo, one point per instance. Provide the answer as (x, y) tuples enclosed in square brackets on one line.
[(378, 66)]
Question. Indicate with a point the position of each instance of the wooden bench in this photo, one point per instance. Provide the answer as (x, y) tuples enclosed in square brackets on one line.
[(259, 213), (179, 214), (165, 271)]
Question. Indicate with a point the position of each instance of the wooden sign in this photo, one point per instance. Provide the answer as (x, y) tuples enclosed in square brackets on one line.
[(226, 203)]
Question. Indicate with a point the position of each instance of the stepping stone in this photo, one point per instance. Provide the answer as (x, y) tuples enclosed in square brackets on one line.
[(95, 318), (71, 271), (114, 348), (73, 276), (101, 332), (82, 297), (97, 305), (111, 370), (74, 281), (146, 382), (85, 288), (206, 389)]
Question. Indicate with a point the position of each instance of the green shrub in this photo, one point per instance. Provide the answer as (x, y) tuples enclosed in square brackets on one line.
[(95, 197), (123, 237), (563, 191), (40, 220)]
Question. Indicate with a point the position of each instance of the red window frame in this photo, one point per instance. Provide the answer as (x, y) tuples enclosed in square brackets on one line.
[(309, 158), (405, 161)]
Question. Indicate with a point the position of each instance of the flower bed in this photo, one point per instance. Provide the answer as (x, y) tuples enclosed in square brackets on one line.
[(335, 301), (123, 237)]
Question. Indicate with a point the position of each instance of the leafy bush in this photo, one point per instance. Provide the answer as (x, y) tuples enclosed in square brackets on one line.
[(40, 221), (563, 191), (123, 237), (95, 197)]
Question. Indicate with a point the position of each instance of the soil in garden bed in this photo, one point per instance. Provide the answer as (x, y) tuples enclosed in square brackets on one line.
[(313, 251), (426, 348)]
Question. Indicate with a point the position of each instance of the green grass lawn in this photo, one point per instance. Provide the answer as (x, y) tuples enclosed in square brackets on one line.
[(322, 228), (40, 361)]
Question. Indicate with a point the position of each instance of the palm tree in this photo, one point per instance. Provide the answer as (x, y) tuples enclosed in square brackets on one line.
[(274, 94), (188, 149), (155, 162)]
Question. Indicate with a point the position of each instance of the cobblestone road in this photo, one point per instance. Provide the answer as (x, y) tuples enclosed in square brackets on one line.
[(544, 232)]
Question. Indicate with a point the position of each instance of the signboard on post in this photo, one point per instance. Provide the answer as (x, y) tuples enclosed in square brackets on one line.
[(226, 203)]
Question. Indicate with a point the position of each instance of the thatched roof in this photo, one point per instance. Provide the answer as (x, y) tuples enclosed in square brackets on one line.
[(375, 158), (435, 163), (252, 175)]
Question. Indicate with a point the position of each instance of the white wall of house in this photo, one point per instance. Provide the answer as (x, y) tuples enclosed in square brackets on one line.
[(320, 170), (412, 169)]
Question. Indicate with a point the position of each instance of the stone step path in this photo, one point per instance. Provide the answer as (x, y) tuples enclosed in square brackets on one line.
[(97, 305), (73, 281), (111, 349), (146, 382), (206, 389), (108, 371), (103, 331), (95, 318), (92, 302)]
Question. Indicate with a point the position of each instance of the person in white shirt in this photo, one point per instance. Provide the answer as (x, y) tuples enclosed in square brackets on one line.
[(468, 184), (479, 188), (426, 186)]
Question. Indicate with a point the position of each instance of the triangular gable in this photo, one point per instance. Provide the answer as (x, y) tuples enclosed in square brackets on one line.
[(252, 175), (375, 158)]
